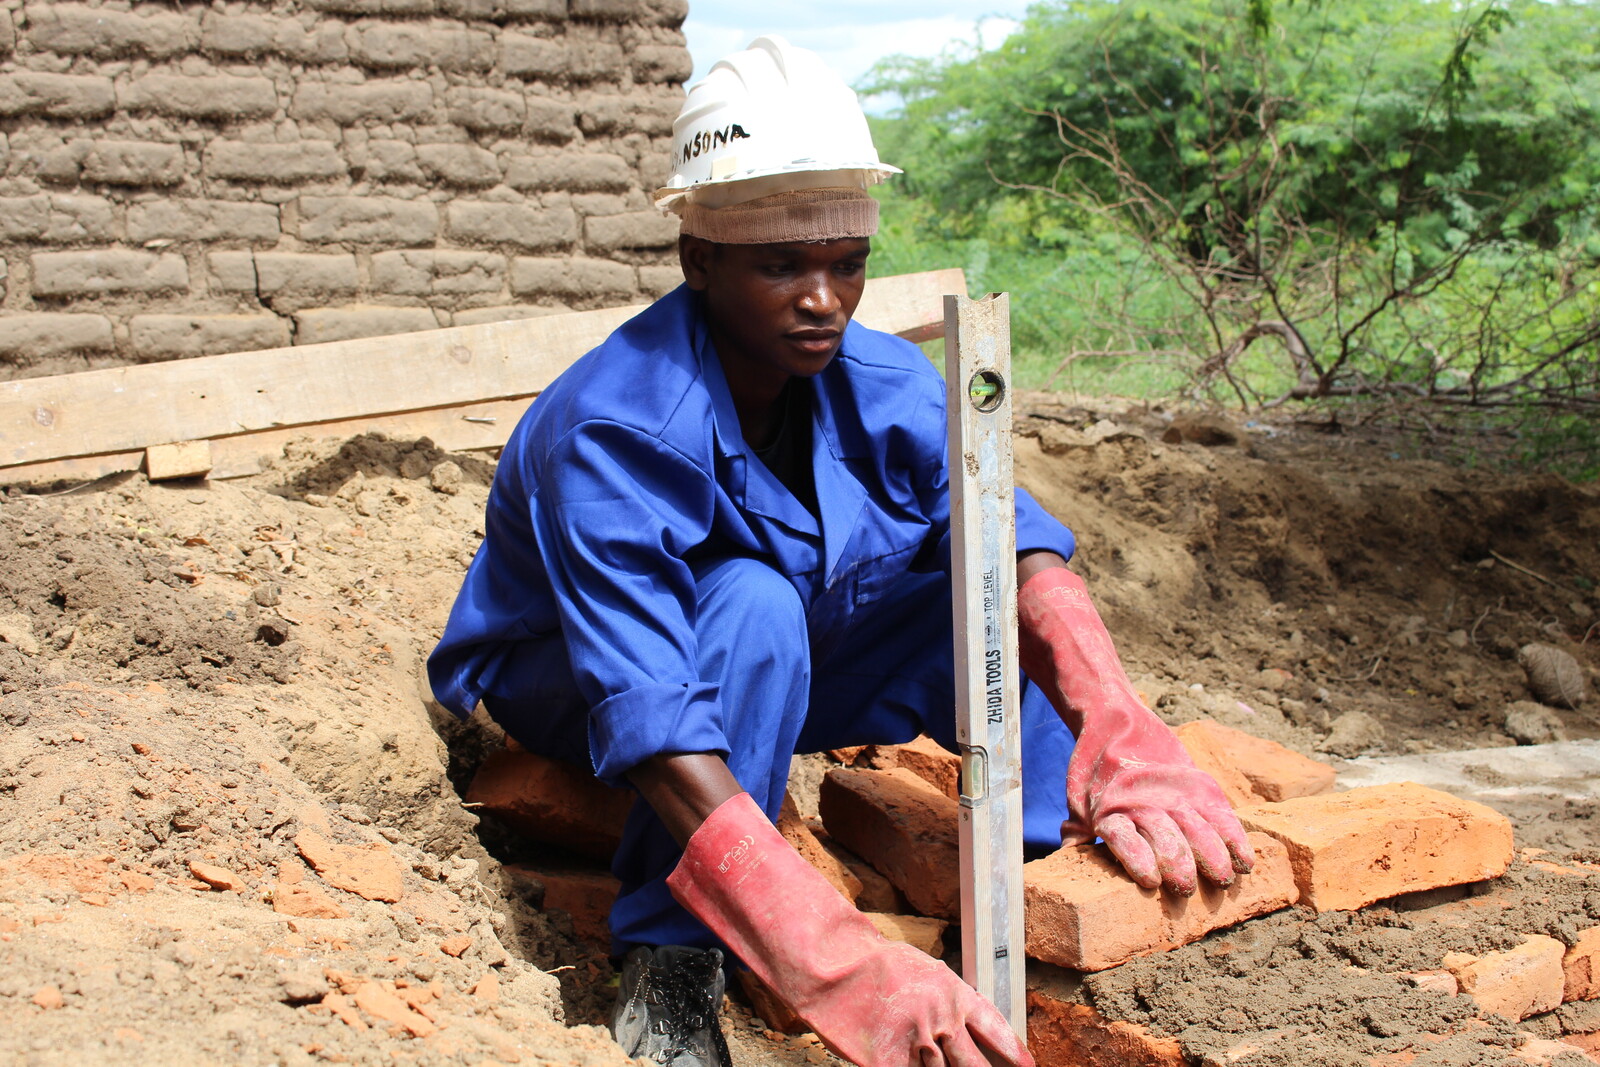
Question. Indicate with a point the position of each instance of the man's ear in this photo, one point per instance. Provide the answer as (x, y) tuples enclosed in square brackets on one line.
[(695, 255)]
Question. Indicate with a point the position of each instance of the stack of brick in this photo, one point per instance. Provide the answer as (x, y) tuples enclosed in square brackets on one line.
[(888, 841), (190, 179)]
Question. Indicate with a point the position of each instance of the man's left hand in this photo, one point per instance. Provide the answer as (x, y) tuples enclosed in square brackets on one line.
[(1130, 780)]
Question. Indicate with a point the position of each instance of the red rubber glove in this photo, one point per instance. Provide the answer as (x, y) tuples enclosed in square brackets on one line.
[(876, 1003), (1130, 780)]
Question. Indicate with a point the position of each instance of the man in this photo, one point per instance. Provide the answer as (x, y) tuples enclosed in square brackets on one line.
[(721, 538)]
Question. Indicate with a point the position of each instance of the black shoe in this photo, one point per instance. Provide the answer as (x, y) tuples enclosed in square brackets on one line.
[(667, 1006)]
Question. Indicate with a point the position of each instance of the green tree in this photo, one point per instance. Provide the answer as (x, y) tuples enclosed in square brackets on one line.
[(1403, 194)]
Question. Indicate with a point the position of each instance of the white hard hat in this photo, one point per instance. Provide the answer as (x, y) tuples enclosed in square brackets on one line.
[(770, 119)]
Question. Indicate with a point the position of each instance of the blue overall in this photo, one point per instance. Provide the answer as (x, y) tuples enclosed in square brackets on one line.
[(647, 586)]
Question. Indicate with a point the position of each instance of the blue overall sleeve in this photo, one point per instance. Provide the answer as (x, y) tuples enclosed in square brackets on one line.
[(618, 512)]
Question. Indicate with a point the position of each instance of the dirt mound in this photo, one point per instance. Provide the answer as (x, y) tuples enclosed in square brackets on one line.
[(204, 673), (1297, 578), (118, 952), (108, 597)]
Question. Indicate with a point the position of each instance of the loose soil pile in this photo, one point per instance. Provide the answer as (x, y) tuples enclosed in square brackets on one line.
[(220, 684)]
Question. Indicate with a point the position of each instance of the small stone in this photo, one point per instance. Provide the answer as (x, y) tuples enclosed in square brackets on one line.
[(1353, 733), (267, 594), (446, 478), (17, 629), (49, 998), (1534, 724)]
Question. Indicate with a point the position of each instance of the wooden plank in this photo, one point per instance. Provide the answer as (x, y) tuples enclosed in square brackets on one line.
[(249, 404)]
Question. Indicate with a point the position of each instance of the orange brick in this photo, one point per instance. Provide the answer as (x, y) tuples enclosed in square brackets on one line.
[(918, 931), (1270, 771), (1581, 966), (1084, 912), (587, 896), (924, 757), (769, 1007), (1517, 983), (552, 802), (901, 825), (1214, 758), (1351, 849), (1063, 1034), (803, 841), (877, 892)]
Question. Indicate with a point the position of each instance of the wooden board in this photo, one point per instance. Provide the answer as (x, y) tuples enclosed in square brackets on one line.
[(429, 384)]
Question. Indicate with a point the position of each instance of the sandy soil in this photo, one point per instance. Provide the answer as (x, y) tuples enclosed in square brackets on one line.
[(221, 683)]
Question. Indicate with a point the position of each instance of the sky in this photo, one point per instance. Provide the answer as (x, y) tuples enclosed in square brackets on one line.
[(850, 35)]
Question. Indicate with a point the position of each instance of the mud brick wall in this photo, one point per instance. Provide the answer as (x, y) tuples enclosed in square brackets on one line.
[(183, 179)]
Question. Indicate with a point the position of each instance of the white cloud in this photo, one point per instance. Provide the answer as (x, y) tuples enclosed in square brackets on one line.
[(850, 37)]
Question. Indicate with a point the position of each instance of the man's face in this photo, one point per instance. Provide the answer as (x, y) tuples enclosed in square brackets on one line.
[(777, 310)]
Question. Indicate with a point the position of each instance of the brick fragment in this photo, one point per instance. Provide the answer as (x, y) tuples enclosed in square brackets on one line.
[(47, 335), (183, 219), (1353, 848), (278, 164), (524, 225), (1581, 967), (456, 945), (487, 989), (878, 894), (1434, 981), (108, 271), (1517, 983), (216, 877), (304, 902), (212, 96), (923, 757), (1061, 1032), (1271, 772), (368, 220), (162, 463), (803, 841), (163, 337), (769, 1007), (49, 998), (350, 105), (903, 827), (586, 896), (60, 96), (369, 871), (552, 802), (921, 932), (382, 1004), (1084, 912), (134, 163)]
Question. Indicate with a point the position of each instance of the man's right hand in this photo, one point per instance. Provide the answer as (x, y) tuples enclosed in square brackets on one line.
[(874, 1002)]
